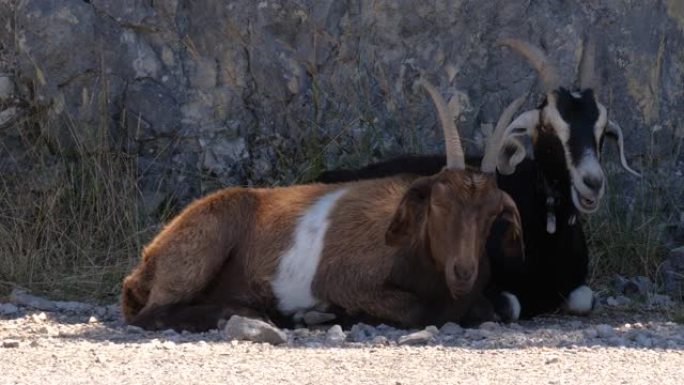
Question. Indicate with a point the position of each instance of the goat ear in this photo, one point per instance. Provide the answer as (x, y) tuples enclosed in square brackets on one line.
[(513, 242), (410, 214), (512, 150)]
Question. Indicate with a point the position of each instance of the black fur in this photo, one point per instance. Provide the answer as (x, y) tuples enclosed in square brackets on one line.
[(554, 264), (581, 114)]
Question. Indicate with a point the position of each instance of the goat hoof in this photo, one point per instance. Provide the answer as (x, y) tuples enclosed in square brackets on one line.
[(508, 307), (581, 301)]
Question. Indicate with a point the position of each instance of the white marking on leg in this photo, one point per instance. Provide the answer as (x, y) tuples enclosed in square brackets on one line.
[(297, 266), (580, 300), (514, 305)]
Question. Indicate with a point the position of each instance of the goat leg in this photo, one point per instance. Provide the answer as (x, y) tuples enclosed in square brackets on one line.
[(393, 307), (191, 317)]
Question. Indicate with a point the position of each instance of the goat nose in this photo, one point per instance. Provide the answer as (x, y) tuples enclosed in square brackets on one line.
[(593, 182), (464, 274)]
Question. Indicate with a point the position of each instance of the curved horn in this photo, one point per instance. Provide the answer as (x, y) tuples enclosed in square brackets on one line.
[(538, 60), (495, 141), (454, 150), (613, 129), (587, 70), (512, 150)]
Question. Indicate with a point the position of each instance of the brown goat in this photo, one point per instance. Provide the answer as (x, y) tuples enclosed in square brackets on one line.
[(405, 250)]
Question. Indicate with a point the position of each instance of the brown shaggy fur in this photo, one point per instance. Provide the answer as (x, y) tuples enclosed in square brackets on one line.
[(218, 257)]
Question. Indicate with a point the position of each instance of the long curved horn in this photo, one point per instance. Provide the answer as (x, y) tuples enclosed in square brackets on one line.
[(496, 140), (454, 150), (587, 70), (613, 129), (538, 59)]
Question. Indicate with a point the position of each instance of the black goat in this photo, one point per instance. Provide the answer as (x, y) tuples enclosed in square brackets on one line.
[(565, 178)]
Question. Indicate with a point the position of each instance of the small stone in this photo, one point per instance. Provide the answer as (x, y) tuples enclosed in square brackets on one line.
[(93, 320), (380, 340), (134, 329), (8, 309), (477, 334), (491, 326), (335, 335), (361, 332), (302, 333), (451, 329), (170, 333), (605, 331), (639, 285), (432, 330), (316, 317), (591, 333), (249, 329), (10, 344), (611, 301), (23, 298), (38, 318), (416, 338), (551, 360)]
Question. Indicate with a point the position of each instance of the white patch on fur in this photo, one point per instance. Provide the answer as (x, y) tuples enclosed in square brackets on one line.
[(297, 266), (581, 300), (514, 304)]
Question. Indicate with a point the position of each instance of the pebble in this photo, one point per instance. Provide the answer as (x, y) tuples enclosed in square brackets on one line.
[(491, 326), (643, 341), (361, 332), (170, 333), (604, 331), (8, 309), (317, 317), (249, 329), (477, 334), (93, 320), (590, 333), (38, 318), (380, 341), (451, 329), (335, 335), (134, 329), (620, 300), (552, 360), (21, 297), (10, 344), (417, 338)]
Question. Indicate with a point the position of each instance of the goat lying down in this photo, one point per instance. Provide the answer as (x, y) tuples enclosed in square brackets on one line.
[(564, 179), (404, 250)]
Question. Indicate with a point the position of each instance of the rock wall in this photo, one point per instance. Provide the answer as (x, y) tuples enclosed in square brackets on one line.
[(245, 91)]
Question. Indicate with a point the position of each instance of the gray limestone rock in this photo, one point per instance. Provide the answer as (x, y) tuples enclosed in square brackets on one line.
[(242, 328)]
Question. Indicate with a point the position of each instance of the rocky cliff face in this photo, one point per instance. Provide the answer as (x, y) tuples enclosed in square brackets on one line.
[(262, 91)]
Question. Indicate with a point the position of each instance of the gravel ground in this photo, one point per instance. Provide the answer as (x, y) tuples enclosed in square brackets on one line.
[(76, 343)]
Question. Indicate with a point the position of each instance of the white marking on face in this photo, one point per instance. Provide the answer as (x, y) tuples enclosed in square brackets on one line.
[(585, 199), (297, 266), (580, 301), (514, 305)]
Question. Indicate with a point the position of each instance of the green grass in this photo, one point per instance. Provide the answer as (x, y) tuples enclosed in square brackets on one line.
[(69, 221), (627, 235)]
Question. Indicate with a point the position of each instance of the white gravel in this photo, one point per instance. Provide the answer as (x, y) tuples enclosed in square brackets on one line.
[(90, 345)]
